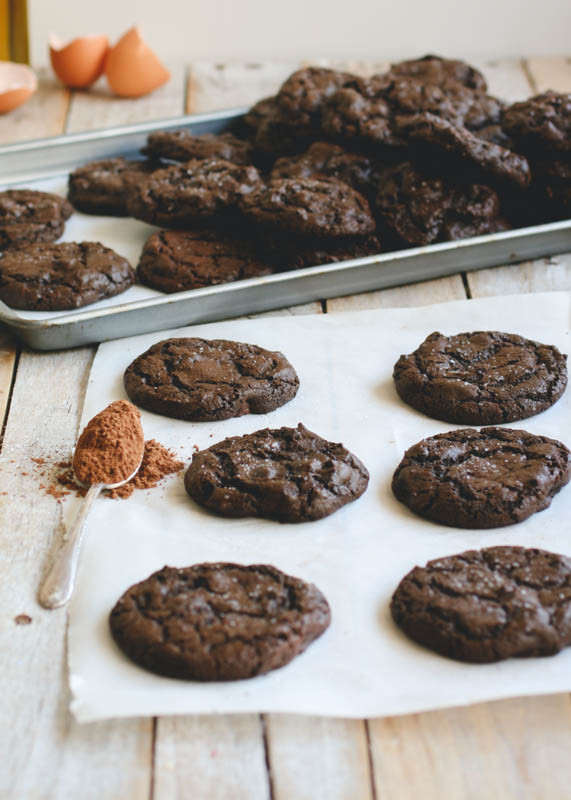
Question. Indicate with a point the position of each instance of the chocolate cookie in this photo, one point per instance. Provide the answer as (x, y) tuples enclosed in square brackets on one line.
[(209, 379), (101, 186), (174, 261), (58, 277), (324, 159), (184, 195), (301, 97), (310, 207), (481, 479), (182, 145), (417, 207), (360, 116), (541, 124), (218, 622), (456, 144), (28, 216), (481, 378), (488, 605), (272, 133), (437, 70), (285, 474)]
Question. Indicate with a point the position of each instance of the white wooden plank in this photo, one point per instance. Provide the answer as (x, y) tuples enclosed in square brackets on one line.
[(512, 749), (542, 275), (49, 755), (316, 758), (217, 757), (550, 73), (418, 294), (507, 79), (100, 108)]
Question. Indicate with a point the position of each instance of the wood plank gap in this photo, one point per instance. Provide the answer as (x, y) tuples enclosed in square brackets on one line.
[(265, 739), (185, 88), (67, 110), (370, 757), (466, 286), (10, 393), (528, 74), (153, 758)]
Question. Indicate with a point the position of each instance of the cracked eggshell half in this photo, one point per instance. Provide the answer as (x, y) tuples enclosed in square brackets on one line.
[(80, 62), (17, 83), (132, 68)]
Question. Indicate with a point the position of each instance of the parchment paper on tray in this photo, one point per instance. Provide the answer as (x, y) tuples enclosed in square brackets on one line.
[(363, 666)]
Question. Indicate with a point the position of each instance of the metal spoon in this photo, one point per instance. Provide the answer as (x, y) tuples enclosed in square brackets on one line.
[(58, 585)]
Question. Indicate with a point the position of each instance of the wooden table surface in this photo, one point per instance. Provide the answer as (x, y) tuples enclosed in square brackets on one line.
[(508, 749)]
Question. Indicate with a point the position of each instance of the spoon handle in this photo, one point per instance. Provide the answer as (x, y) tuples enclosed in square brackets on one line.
[(58, 585)]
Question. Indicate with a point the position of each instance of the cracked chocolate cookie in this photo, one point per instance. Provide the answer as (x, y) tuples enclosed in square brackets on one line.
[(210, 379), (481, 479), (323, 207), (101, 186), (429, 133), (28, 216), (360, 116), (184, 195), (174, 261), (541, 124), (58, 277), (488, 605), (437, 70), (481, 378), (182, 145), (323, 159), (218, 622), (285, 474), (301, 97), (416, 207), (271, 133)]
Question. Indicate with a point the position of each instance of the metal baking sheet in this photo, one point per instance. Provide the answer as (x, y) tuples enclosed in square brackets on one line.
[(134, 313)]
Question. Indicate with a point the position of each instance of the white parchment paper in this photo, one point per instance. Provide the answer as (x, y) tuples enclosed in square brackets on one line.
[(363, 665)]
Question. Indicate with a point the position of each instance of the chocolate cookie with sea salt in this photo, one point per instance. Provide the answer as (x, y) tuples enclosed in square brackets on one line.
[(182, 145), (210, 379), (311, 207), (174, 261), (486, 478), (100, 187), (62, 276), (284, 474), (187, 195), (481, 377), (487, 605), (28, 216), (218, 622)]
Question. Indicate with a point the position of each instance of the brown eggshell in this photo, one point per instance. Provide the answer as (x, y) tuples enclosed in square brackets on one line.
[(79, 63), (17, 83), (132, 68)]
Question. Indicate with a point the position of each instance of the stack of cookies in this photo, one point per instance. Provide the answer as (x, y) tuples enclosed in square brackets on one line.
[(332, 167), (335, 167)]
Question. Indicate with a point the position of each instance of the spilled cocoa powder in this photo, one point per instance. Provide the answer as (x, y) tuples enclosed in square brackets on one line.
[(111, 445), (158, 462)]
